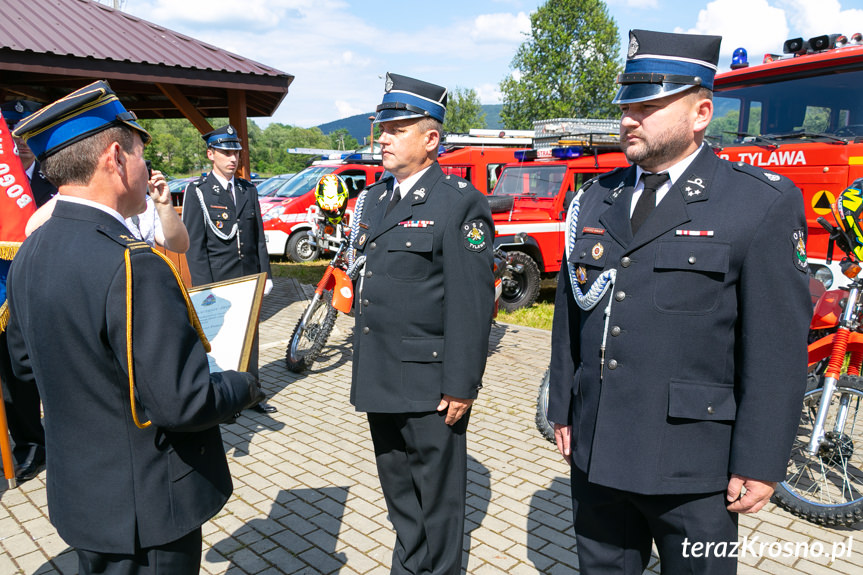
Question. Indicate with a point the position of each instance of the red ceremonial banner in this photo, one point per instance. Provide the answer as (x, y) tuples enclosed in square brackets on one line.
[(16, 199)]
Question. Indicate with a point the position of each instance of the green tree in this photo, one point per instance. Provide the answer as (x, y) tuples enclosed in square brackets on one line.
[(463, 112), (566, 68)]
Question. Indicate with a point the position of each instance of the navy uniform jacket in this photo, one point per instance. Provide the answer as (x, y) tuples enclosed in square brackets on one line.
[(210, 257), (705, 360), (424, 304), (108, 479)]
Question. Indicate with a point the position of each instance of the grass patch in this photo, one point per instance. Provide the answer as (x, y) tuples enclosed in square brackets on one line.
[(538, 315), (305, 273)]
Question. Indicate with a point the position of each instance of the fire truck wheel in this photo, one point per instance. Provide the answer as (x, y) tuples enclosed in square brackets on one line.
[(520, 282), (300, 248), (542, 424)]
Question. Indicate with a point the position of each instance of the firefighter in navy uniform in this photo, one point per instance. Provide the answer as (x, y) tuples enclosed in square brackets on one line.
[(676, 391), (423, 315), (136, 462), (223, 218)]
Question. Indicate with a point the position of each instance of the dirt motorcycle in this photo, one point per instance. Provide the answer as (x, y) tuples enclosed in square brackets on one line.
[(824, 479), (334, 293)]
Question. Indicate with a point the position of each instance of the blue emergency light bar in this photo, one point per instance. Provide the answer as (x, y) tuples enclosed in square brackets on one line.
[(567, 153)]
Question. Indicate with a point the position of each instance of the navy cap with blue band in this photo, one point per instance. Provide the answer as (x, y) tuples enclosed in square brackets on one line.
[(81, 114), (660, 64), (224, 138), (407, 98)]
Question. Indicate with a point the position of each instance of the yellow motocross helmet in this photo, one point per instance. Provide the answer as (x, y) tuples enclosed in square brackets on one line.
[(848, 209), (331, 195)]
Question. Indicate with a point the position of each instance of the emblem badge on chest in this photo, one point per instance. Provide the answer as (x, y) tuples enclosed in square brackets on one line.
[(597, 251), (581, 275)]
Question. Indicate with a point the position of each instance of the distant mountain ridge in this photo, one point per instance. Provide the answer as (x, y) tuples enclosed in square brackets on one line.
[(358, 126)]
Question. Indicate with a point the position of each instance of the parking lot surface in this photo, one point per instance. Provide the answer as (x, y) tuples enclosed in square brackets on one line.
[(307, 499)]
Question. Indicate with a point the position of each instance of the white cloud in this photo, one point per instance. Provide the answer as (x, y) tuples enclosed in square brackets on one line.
[(817, 17), (753, 24), (488, 93), (346, 109), (501, 27)]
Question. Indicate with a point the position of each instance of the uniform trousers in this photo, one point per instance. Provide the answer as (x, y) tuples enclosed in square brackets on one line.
[(422, 466), (615, 529), (179, 557)]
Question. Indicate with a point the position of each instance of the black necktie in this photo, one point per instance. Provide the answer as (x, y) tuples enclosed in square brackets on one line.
[(647, 201), (231, 193), (397, 195)]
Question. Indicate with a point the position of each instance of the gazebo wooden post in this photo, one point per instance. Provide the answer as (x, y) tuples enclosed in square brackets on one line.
[(237, 117)]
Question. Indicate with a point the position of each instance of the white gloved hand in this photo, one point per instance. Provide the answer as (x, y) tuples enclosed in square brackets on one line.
[(268, 287)]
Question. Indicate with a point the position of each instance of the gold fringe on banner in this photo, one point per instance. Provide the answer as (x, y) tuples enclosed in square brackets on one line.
[(9, 249), (4, 317)]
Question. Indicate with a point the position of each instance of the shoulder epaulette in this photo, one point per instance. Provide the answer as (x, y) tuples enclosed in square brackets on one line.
[(771, 178), (457, 182), (127, 239)]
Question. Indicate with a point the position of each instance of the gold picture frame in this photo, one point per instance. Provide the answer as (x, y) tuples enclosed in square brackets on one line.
[(229, 311)]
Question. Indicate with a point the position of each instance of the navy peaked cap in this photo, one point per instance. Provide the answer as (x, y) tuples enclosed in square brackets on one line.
[(660, 64), (224, 138), (16, 110), (70, 119), (407, 98)]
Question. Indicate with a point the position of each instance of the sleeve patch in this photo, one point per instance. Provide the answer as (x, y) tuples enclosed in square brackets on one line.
[(475, 235), (798, 241)]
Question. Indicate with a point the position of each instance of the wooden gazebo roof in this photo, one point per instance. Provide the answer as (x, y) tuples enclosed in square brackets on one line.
[(49, 48)]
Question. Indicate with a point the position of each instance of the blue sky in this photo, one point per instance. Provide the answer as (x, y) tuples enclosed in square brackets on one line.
[(339, 50)]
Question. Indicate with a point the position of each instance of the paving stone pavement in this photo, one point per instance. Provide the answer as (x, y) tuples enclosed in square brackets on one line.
[(306, 494)]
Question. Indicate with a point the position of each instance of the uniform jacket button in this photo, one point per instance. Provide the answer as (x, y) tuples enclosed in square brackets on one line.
[(203, 450), (691, 259), (434, 354), (366, 330), (710, 410), (625, 261), (407, 244), (620, 296), (615, 331), (369, 274), (373, 245), (612, 364), (365, 302), (583, 254)]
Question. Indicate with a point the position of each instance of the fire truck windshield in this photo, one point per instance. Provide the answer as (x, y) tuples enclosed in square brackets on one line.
[(535, 181), (827, 107), (304, 181)]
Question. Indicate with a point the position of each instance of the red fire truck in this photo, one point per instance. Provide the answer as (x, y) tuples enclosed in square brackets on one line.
[(293, 228), (798, 114)]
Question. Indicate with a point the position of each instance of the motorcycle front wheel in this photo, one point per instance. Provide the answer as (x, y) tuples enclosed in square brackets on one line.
[(309, 338), (827, 488)]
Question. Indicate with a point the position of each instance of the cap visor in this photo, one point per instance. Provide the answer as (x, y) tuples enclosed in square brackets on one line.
[(634, 93), (390, 115)]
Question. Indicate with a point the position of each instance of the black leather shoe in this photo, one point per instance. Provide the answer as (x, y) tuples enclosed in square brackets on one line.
[(29, 470), (263, 408)]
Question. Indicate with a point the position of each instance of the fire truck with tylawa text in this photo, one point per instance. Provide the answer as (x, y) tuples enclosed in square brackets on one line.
[(799, 114)]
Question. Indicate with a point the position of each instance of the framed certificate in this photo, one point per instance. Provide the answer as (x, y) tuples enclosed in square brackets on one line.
[(229, 311)]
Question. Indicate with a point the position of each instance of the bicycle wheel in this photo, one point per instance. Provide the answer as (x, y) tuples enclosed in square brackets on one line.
[(309, 338), (827, 488)]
